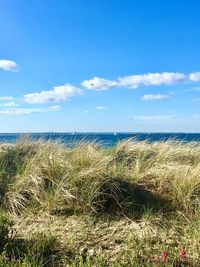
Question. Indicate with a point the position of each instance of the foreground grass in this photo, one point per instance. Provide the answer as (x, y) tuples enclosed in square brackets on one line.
[(133, 205)]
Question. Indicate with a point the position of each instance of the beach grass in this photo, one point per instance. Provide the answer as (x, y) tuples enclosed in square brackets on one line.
[(136, 204)]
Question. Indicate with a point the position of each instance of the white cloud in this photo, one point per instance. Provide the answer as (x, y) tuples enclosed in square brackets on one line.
[(20, 111), (99, 84), (8, 101), (85, 111), (152, 118), (28, 111), (133, 81), (10, 104), (6, 98), (57, 94), (195, 77), (165, 78), (8, 65), (56, 107), (154, 97), (101, 107), (164, 119)]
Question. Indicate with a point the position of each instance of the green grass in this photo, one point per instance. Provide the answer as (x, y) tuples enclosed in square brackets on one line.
[(136, 204)]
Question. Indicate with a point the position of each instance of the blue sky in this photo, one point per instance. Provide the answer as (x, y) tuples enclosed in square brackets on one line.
[(99, 65)]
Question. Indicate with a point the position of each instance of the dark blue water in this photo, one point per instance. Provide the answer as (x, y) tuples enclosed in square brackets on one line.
[(105, 139)]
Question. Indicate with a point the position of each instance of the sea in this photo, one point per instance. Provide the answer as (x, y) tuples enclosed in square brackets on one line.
[(103, 139)]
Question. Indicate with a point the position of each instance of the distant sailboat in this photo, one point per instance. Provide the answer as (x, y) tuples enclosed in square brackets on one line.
[(115, 133)]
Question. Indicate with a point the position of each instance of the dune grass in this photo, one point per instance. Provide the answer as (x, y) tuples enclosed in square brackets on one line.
[(136, 204)]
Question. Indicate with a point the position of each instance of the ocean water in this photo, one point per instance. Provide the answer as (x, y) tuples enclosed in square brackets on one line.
[(104, 139)]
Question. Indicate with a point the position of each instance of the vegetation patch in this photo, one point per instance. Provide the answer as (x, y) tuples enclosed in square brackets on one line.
[(133, 205)]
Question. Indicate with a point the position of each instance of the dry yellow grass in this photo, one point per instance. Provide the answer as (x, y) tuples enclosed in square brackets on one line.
[(128, 204)]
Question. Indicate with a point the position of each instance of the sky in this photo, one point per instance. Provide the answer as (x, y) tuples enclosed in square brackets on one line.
[(99, 66)]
